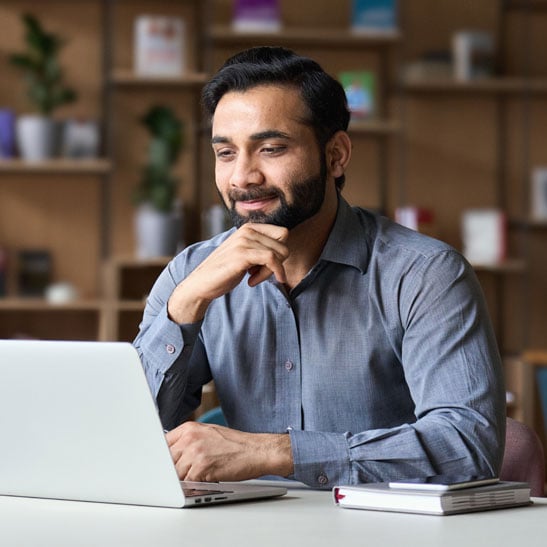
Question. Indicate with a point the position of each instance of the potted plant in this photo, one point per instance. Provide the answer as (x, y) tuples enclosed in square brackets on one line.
[(46, 90), (158, 219)]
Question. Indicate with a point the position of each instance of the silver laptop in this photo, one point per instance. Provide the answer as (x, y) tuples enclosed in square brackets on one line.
[(78, 422)]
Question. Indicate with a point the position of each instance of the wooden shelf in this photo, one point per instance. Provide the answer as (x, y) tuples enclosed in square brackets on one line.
[(130, 305), (535, 357), (130, 261), (487, 86), (123, 77), (373, 127), (527, 5), (57, 166), (324, 37), (529, 223), (536, 223), (40, 304)]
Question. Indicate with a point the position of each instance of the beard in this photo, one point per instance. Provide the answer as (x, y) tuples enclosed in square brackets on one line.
[(307, 198)]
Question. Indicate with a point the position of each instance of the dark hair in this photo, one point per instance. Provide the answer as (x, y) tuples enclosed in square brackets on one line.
[(323, 95)]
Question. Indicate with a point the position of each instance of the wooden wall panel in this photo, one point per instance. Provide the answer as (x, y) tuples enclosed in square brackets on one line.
[(57, 213), (450, 161)]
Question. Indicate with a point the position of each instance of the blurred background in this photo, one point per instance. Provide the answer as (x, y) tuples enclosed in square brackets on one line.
[(103, 145)]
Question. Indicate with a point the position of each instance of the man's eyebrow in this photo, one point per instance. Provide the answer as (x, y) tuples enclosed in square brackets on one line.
[(269, 134), (220, 140), (260, 136)]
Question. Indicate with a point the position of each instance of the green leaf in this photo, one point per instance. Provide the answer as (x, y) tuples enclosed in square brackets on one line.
[(157, 184), (40, 65)]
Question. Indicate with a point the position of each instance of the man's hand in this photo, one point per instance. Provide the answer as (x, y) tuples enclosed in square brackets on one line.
[(206, 452), (257, 249)]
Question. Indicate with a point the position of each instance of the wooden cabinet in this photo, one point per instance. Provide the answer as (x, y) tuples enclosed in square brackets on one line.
[(81, 211), (127, 283), (474, 145), (55, 206), (439, 144)]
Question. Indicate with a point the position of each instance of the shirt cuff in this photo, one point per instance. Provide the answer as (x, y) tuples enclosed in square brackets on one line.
[(321, 460), (162, 344)]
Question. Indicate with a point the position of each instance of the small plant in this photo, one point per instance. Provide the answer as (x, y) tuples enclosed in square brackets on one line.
[(40, 64), (158, 186)]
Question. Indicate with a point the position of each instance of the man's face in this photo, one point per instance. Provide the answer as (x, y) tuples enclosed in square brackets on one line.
[(269, 168)]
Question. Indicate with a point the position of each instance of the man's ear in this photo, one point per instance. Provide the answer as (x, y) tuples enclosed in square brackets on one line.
[(338, 153)]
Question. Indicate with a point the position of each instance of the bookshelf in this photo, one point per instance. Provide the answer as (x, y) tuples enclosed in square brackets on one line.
[(494, 86), (59, 167), (434, 143), (127, 282), (82, 210), (125, 77)]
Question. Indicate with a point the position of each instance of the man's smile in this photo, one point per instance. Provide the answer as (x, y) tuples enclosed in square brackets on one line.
[(255, 204)]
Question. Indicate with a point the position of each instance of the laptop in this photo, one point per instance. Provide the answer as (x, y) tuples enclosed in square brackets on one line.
[(78, 422)]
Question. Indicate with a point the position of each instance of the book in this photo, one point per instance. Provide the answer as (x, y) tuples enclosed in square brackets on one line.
[(430, 65), (80, 138), (359, 87), (256, 16), (419, 219), (538, 194), (484, 236), (3, 272), (34, 272), (7, 133), (473, 53), (159, 44), (383, 497), (374, 16)]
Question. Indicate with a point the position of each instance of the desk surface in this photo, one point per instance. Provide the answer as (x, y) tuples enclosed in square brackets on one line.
[(303, 517)]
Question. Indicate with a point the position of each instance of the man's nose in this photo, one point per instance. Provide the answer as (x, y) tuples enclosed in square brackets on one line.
[(246, 172)]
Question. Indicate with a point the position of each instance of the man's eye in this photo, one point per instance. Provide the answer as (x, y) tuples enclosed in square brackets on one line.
[(272, 150), (224, 153)]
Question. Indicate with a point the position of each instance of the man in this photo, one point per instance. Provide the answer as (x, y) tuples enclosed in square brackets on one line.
[(344, 347)]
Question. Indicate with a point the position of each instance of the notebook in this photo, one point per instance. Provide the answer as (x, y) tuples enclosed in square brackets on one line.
[(408, 498), (78, 422)]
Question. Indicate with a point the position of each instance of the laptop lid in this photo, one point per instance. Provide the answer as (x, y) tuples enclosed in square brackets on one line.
[(78, 422)]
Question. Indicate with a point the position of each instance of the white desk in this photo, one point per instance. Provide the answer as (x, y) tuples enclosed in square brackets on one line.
[(302, 518)]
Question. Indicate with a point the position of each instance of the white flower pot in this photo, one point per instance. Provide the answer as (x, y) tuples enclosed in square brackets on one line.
[(36, 137), (157, 233)]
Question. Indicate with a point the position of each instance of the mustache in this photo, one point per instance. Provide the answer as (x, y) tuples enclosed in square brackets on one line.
[(252, 194)]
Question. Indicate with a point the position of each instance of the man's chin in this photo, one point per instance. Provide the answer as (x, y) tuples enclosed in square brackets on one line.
[(253, 217)]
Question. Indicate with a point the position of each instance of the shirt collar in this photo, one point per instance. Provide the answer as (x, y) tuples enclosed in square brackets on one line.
[(349, 239)]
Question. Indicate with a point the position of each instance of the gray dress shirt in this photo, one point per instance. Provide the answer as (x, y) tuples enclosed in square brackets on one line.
[(381, 364)]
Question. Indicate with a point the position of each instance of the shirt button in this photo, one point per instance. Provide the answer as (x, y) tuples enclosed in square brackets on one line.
[(170, 348), (289, 365), (322, 479)]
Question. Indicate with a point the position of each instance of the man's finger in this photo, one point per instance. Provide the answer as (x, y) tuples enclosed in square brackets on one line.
[(279, 233)]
